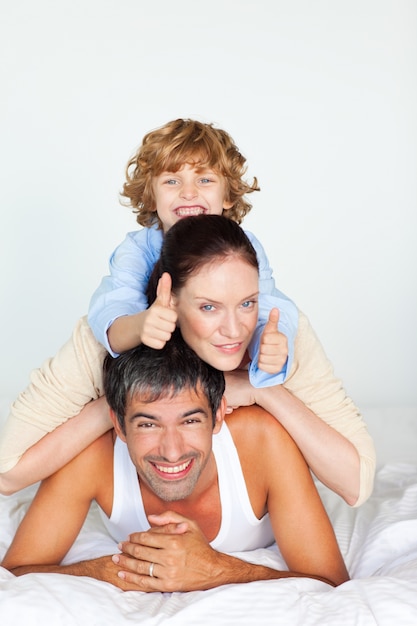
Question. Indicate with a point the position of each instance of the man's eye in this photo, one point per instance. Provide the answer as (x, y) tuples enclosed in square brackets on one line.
[(146, 425)]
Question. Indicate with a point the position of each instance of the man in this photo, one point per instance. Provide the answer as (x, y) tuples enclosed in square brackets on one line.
[(180, 487)]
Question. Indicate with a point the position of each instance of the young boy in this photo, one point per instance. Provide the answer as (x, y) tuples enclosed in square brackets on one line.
[(184, 168)]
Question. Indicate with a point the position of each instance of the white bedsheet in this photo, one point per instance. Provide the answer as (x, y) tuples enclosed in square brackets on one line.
[(378, 541)]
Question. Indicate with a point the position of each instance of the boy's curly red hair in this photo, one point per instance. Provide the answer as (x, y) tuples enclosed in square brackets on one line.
[(173, 145)]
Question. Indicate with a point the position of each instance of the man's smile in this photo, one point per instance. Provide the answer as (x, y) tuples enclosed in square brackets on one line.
[(174, 471)]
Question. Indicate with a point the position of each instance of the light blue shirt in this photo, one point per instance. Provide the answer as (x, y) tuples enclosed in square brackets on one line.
[(123, 293)]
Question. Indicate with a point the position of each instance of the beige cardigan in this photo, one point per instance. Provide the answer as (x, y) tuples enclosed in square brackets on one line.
[(60, 388)]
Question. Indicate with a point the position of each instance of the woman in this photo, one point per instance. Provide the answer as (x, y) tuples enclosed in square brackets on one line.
[(213, 269), (214, 273)]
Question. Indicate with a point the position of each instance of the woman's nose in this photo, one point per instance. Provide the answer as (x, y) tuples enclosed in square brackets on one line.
[(230, 326)]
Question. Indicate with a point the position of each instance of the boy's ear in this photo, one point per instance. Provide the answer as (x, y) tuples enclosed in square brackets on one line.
[(227, 205), (117, 426), (221, 412)]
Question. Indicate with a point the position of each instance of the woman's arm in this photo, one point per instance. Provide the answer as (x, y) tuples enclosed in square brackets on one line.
[(57, 448), (325, 423), (330, 455), (60, 390)]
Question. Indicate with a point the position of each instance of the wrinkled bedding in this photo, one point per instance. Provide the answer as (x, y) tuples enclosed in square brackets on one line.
[(378, 541)]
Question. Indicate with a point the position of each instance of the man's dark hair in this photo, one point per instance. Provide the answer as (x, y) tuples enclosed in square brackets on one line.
[(154, 374)]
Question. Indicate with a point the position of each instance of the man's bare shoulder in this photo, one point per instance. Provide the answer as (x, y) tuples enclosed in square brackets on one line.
[(91, 471), (264, 448), (98, 451), (252, 425)]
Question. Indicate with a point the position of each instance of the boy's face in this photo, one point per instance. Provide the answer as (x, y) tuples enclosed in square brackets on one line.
[(189, 191)]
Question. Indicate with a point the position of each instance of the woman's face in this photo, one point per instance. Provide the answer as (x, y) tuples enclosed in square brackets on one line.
[(218, 311)]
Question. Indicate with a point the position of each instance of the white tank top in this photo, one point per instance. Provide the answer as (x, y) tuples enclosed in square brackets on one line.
[(240, 529)]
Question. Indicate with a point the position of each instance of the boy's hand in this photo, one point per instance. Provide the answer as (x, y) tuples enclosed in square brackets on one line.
[(273, 351), (159, 321)]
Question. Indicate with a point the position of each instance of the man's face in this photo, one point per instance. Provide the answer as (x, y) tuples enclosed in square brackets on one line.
[(170, 443)]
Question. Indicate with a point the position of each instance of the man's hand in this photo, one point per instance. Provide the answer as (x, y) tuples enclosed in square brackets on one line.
[(176, 556), (273, 352), (159, 321), (181, 556)]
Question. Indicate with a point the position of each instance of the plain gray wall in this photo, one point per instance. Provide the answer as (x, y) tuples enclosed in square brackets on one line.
[(320, 96)]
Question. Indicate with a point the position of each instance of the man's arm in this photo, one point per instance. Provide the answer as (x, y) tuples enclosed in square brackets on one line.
[(281, 485), (102, 568), (283, 481), (58, 511), (183, 560)]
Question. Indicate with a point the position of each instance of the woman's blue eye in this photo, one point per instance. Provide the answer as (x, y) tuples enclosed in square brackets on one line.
[(207, 307), (249, 304)]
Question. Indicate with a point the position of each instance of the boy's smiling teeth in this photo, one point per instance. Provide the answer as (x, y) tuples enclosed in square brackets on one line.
[(173, 469), (183, 211)]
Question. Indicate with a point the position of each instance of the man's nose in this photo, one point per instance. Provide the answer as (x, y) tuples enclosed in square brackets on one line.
[(171, 446)]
